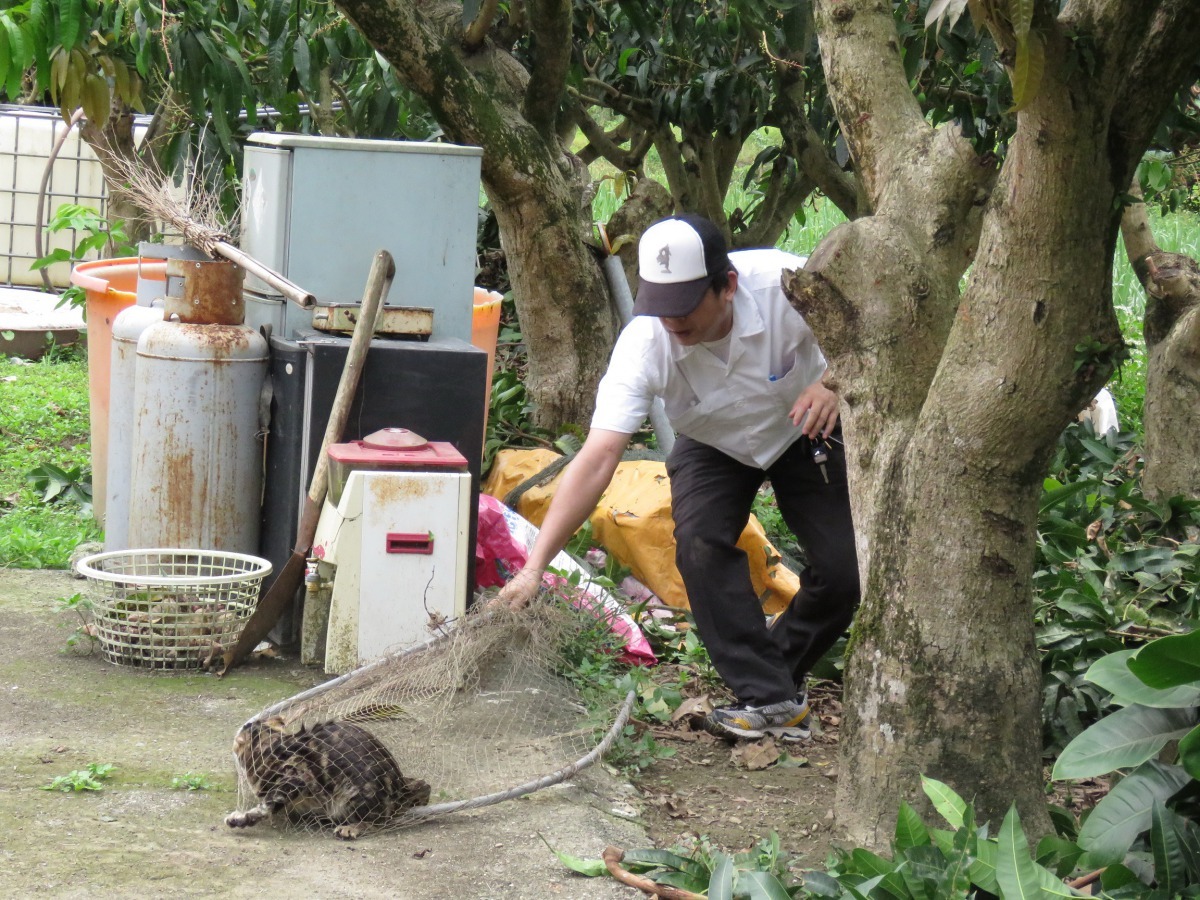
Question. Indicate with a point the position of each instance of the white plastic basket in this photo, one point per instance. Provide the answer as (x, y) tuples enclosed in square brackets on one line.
[(171, 609)]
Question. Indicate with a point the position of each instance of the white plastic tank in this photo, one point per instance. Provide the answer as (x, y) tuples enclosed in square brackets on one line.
[(197, 454), (127, 328)]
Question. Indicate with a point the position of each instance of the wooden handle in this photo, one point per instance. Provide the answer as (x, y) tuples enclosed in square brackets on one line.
[(383, 270), (289, 289)]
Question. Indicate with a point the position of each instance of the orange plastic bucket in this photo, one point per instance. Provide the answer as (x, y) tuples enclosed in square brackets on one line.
[(485, 328), (110, 285)]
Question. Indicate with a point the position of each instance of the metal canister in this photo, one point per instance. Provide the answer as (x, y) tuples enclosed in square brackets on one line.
[(127, 329), (197, 449)]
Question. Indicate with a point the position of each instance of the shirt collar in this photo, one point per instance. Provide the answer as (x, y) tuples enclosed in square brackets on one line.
[(747, 321)]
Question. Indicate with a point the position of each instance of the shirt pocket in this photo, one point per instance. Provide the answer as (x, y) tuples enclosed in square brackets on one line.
[(787, 387)]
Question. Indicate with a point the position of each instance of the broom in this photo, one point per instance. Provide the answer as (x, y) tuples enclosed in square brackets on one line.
[(291, 576), (196, 215)]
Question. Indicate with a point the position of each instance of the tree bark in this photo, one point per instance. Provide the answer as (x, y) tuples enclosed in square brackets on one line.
[(487, 99), (953, 404), (1171, 327)]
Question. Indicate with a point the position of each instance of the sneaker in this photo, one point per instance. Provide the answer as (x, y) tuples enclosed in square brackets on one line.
[(784, 720)]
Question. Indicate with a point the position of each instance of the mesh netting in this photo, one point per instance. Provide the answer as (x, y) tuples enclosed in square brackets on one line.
[(475, 716)]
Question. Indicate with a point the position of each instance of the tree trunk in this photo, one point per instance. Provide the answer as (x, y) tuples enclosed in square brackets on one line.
[(1171, 327), (114, 147), (952, 405), (487, 99)]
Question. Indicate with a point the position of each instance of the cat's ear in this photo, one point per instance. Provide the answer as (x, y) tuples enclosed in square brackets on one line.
[(275, 723)]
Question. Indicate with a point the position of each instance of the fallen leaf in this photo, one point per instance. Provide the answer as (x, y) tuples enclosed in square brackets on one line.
[(757, 755), (693, 706)]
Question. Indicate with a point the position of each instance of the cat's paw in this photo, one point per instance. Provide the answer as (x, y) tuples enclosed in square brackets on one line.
[(349, 832), (244, 818)]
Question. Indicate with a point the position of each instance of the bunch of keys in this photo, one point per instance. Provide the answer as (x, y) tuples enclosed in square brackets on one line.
[(820, 455)]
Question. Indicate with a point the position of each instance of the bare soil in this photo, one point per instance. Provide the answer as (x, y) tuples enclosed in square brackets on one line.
[(733, 795), (141, 835)]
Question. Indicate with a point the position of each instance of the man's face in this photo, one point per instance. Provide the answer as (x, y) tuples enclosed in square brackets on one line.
[(710, 321)]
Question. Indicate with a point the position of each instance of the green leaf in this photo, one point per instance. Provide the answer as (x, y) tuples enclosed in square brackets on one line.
[(70, 17), (1128, 737), (945, 801), (1166, 843), (1169, 661), (651, 858), (910, 830), (590, 867), (720, 883), (1112, 673), (1016, 872), (1189, 753), (982, 871), (821, 885), (1124, 813), (759, 885)]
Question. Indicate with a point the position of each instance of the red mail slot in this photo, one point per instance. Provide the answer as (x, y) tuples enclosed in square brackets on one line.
[(410, 543)]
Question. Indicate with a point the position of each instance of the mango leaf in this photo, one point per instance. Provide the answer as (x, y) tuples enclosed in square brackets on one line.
[(1189, 753), (1027, 73), (683, 881), (1166, 842), (820, 884), (982, 871), (1016, 872), (590, 867), (910, 830), (1112, 673), (1124, 813), (759, 885), (1169, 661), (945, 801), (1128, 737), (95, 98), (651, 858), (883, 872), (720, 883)]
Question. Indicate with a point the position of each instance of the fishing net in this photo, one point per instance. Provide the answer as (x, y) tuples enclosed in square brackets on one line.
[(479, 714)]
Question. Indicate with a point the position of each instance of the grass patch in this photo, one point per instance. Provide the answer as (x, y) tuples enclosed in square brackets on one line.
[(43, 420)]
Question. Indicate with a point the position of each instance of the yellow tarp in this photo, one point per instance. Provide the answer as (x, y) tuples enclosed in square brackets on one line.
[(633, 523)]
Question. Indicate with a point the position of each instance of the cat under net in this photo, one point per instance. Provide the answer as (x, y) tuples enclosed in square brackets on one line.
[(483, 713), (329, 775)]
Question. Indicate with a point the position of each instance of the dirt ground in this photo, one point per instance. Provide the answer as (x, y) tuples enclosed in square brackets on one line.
[(143, 836)]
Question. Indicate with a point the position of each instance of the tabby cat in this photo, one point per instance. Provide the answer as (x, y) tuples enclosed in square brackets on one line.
[(331, 774)]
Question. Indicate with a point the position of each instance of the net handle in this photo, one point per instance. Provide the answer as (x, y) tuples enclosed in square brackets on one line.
[(561, 775)]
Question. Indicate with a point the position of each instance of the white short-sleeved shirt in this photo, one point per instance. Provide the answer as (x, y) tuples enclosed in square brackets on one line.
[(740, 407)]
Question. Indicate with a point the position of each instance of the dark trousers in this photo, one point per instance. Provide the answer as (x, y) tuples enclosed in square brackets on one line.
[(711, 497)]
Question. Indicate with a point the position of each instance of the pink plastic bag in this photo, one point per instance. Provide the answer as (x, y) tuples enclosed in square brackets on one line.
[(502, 548)]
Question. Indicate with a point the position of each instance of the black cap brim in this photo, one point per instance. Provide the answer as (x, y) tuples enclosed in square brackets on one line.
[(673, 301)]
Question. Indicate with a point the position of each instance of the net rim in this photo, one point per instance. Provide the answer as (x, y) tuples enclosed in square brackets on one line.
[(255, 567)]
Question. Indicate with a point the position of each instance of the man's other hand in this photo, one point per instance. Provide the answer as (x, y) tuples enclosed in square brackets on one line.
[(821, 404)]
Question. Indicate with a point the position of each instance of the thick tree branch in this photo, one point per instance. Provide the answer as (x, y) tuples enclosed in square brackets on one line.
[(608, 143), (681, 184), (877, 111), (477, 31), (550, 29), (806, 146), (1147, 83)]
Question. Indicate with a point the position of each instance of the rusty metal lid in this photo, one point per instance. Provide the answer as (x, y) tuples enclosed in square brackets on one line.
[(212, 292)]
